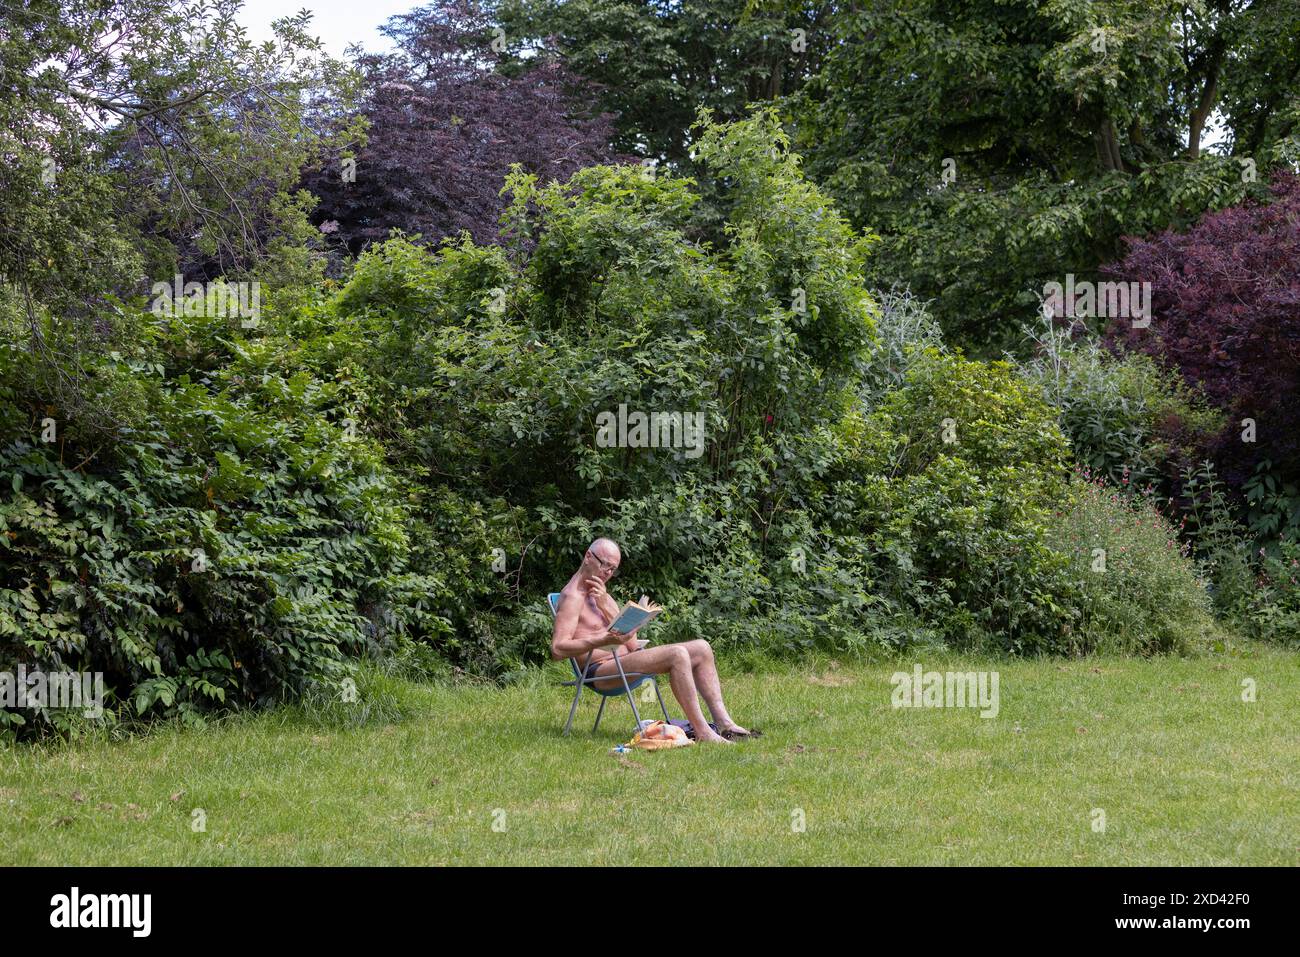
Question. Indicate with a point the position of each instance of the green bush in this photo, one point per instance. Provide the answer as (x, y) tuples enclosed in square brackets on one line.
[(1138, 591), (1126, 418), (976, 528), (486, 369), (209, 537), (1273, 613), (1253, 587), (401, 468), (957, 472)]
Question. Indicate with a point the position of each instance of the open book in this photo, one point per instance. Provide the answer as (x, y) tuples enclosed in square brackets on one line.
[(633, 616)]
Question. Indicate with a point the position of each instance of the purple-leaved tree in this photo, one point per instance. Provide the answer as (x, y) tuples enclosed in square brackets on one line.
[(449, 113), (1226, 314)]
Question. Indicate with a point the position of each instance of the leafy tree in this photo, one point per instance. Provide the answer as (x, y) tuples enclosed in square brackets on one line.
[(134, 132), (1060, 127), (445, 127), (658, 62)]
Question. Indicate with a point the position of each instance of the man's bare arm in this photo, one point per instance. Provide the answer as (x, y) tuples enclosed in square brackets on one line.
[(608, 606)]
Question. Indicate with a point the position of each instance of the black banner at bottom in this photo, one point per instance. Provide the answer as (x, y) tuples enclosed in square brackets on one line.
[(333, 906)]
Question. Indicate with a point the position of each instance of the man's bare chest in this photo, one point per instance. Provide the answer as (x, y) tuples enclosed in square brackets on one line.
[(591, 618)]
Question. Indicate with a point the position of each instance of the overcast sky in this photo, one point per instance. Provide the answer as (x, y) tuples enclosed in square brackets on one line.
[(336, 22)]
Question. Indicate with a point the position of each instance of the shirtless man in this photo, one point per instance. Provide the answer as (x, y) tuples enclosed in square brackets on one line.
[(582, 624)]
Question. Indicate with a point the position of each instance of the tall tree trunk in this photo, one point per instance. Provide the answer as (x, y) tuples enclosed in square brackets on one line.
[(1196, 125), (1108, 145), (1205, 104), (775, 78)]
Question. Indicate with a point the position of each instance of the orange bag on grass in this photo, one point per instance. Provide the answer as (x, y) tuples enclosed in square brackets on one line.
[(660, 734)]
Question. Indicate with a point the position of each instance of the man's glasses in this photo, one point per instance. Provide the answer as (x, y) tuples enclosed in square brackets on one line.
[(604, 565)]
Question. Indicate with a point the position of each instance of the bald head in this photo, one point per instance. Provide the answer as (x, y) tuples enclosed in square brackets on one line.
[(607, 557)]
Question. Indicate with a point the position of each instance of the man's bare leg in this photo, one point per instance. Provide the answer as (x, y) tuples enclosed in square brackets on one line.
[(705, 671), (674, 661)]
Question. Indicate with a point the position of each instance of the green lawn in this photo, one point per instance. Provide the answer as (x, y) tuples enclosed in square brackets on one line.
[(1185, 771)]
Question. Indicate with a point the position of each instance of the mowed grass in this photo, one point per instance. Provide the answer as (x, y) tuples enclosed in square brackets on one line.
[(1184, 771)]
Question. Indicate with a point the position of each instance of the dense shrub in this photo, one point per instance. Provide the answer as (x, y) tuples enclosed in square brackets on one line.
[(1273, 612), (233, 516), (1127, 419), (958, 469), (977, 534), (487, 368), (1254, 588), (203, 527), (1226, 315), (1138, 591), (839, 516)]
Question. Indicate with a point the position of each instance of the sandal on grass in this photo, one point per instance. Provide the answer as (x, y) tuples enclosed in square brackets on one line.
[(731, 734)]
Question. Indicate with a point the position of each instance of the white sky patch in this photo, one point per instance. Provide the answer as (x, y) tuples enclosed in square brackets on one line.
[(338, 23), (1214, 137)]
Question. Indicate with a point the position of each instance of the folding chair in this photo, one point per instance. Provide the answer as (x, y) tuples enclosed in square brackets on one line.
[(579, 682)]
